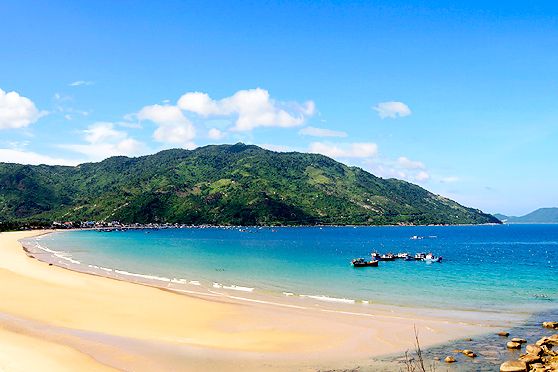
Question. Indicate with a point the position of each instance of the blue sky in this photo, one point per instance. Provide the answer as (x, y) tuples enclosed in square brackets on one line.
[(459, 97)]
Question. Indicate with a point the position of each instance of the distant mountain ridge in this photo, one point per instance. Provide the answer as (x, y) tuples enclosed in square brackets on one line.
[(541, 215), (225, 184)]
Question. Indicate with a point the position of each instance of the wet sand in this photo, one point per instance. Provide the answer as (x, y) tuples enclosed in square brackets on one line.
[(58, 317)]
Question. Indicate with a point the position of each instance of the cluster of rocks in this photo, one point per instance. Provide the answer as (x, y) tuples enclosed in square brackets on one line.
[(469, 353), (538, 357)]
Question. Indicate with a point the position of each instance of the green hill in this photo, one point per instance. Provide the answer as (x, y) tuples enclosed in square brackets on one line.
[(226, 184), (541, 215)]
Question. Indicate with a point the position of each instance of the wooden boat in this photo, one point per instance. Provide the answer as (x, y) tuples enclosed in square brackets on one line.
[(375, 256), (360, 262), (387, 257)]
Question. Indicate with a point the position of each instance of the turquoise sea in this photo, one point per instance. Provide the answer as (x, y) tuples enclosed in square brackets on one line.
[(496, 268)]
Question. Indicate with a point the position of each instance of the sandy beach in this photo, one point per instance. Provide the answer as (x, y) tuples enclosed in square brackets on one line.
[(52, 318)]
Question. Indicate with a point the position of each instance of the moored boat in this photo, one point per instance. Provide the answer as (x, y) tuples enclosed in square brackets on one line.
[(420, 256), (361, 262), (431, 258), (387, 257)]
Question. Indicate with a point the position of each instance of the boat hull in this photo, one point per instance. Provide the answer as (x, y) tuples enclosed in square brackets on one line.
[(366, 264)]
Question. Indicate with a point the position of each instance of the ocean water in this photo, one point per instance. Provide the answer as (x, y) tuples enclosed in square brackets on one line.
[(494, 268)]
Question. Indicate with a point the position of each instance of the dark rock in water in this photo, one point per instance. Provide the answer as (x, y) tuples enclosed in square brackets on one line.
[(450, 359), (513, 345), (503, 334), (513, 366)]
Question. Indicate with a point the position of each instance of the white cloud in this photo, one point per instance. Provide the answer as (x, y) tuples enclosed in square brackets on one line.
[(32, 158), (173, 126), (162, 114), (215, 134), (17, 145), (348, 150), (201, 104), (321, 132), (103, 132), (253, 108), (402, 168), (104, 141), (365, 154), (78, 83), (17, 111), (407, 163), (385, 170), (128, 124), (392, 109), (450, 179), (421, 176)]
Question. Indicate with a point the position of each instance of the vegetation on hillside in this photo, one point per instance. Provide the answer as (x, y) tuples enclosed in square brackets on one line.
[(226, 184)]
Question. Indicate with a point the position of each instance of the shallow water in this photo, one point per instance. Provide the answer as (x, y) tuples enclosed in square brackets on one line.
[(490, 349), (494, 268)]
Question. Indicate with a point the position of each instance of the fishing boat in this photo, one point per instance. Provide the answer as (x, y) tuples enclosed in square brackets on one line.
[(431, 258), (420, 256), (387, 257), (375, 256), (361, 262), (402, 255)]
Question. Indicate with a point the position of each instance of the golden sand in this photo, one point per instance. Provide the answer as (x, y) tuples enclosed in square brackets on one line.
[(65, 318)]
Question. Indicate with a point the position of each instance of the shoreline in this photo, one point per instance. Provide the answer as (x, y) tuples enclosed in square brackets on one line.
[(250, 334), (236, 293)]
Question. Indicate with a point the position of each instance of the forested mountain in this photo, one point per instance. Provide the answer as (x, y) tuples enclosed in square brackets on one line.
[(225, 184)]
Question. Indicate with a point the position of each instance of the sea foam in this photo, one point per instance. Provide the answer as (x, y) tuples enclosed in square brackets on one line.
[(329, 299), (233, 287)]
